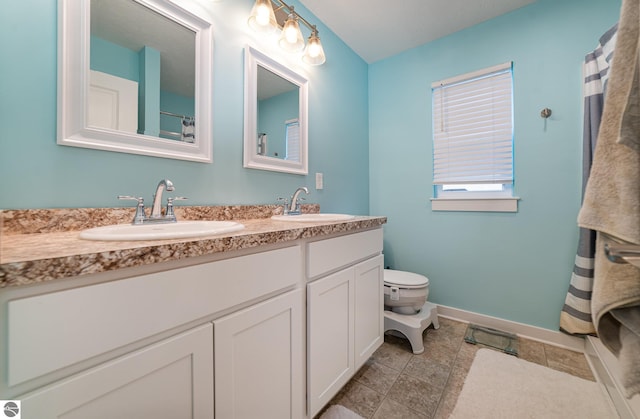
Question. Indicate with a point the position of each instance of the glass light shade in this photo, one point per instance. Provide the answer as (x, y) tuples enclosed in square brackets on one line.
[(291, 39), (314, 53), (262, 18)]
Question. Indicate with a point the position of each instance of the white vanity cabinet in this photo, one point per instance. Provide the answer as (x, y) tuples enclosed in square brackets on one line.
[(345, 322), (269, 333), (163, 344)]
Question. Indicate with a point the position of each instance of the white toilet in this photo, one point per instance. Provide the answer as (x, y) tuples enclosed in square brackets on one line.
[(406, 309)]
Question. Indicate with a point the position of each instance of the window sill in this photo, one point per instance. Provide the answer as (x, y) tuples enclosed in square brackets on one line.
[(475, 204)]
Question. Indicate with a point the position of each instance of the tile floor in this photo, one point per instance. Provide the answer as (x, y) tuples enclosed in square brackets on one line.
[(395, 383)]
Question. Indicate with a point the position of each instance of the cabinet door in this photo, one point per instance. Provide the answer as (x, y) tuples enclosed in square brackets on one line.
[(170, 379), (259, 363), (369, 309), (330, 355)]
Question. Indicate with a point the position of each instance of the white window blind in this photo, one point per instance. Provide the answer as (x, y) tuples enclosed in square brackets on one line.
[(293, 140), (473, 128)]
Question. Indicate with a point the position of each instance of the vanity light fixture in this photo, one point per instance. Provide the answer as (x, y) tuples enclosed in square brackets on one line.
[(263, 20)]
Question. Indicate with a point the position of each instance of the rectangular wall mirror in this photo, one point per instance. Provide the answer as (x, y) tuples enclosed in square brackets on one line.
[(275, 116), (134, 76)]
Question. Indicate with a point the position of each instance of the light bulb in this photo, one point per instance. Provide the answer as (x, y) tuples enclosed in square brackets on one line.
[(314, 50), (262, 17), (291, 39), (314, 53), (291, 34)]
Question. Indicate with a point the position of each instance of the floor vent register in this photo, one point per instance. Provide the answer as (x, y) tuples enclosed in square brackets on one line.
[(506, 342)]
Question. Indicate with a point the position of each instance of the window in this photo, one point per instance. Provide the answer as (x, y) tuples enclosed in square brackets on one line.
[(292, 139), (473, 141)]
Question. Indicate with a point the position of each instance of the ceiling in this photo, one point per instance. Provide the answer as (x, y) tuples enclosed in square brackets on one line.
[(377, 29)]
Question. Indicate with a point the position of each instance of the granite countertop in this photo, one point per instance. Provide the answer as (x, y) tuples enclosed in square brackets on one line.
[(44, 245)]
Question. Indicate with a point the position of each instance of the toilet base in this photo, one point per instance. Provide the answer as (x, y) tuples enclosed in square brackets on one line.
[(412, 325)]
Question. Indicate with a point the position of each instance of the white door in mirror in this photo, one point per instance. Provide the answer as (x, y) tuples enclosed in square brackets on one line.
[(113, 102)]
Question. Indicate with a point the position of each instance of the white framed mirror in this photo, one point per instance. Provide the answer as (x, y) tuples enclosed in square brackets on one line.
[(275, 116), (135, 76)]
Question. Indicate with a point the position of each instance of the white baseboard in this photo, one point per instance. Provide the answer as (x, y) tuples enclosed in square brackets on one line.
[(539, 334)]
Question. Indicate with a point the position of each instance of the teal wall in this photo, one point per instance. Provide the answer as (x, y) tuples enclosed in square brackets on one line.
[(38, 173), (113, 59), (149, 92), (514, 266)]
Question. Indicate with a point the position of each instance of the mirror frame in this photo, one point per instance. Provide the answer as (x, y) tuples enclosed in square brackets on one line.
[(74, 19), (253, 59)]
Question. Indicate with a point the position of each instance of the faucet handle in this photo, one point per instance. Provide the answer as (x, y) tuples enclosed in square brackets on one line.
[(131, 198), (175, 198), (284, 202), (295, 206), (170, 213), (140, 215)]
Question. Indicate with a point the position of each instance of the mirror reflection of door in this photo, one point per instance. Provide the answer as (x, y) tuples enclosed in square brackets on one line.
[(278, 133), (142, 77)]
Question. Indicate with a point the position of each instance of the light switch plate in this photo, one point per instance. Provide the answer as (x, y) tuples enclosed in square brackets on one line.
[(319, 181)]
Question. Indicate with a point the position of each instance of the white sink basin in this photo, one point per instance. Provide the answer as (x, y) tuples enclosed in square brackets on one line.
[(178, 230), (313, 218)]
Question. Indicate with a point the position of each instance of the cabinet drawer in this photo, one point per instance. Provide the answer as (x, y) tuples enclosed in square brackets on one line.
[(52, 331), (331, 254)]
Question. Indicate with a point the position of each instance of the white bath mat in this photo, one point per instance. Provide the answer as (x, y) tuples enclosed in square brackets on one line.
[(339, 412), (503, 386)]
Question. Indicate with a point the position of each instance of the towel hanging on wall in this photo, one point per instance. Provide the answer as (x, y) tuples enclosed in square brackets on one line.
[(612, 204)]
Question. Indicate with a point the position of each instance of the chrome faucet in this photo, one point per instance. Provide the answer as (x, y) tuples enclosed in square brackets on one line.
[(294, 206), (156, 209), (156, 215)]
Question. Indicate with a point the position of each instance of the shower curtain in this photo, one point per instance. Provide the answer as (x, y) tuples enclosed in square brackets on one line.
[(575, 317), (188, 133)]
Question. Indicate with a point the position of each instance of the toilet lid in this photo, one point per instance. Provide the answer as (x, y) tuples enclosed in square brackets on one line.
[(404, 279)]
